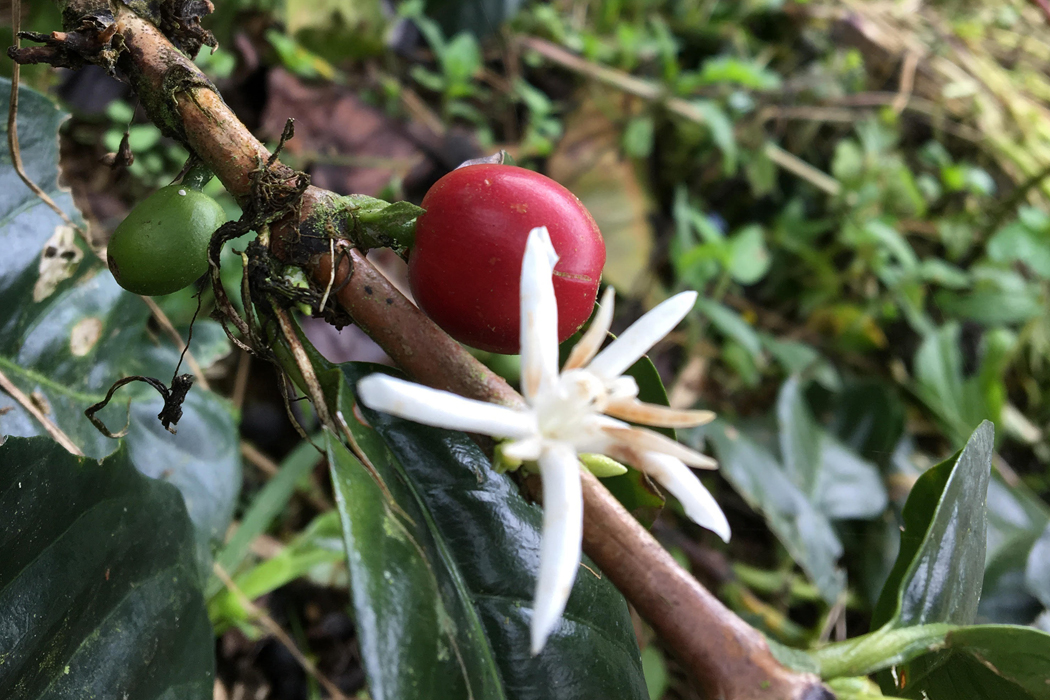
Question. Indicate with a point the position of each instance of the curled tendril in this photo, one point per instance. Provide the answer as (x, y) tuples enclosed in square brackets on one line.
[(169, 415)]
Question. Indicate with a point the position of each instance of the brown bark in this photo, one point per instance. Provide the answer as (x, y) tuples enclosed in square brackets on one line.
[(728, 657)]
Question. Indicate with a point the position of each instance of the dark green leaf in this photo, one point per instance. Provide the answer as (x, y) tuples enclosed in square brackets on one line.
[(938, 574), (98, 581), (869, 418), (443, 554), (480, 17), (65, 348), (982, 662), (1005, 597)]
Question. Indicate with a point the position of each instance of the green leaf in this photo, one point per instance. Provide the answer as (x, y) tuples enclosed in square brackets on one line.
[(480, 17), (1018, 242), (731, 324), (656, 678), (842, 484), (266, 506), (868, 417), (947, 662), (944, 273), (723, 70), (461, 59), (749, 259), (1016, 519), (983, 662), (798, 358), (638, 136), (848, 487), (956, 401), (721, 128), (317, 548), (940, 568), (443, 555), (65, 345), (804, 531), (992, 306), (98, 581), (892, 242), (800, 437)]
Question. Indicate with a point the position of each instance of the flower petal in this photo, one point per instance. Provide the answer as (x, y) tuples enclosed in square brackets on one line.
[(635, 411), (642, 335), (527, 450), (585, 350), (562, 536), (539, 315), (640, 440), (443, 409), (698, 502)]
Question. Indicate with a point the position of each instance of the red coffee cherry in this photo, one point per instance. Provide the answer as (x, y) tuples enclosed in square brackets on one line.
[(465, 264)]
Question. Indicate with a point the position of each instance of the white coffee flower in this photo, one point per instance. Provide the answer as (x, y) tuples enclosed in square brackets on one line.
[(582, 409)]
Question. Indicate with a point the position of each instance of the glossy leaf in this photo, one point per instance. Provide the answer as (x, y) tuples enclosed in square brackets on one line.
[(940, 568), (98, 581), (443, 554), (64, 349), (981, 662)]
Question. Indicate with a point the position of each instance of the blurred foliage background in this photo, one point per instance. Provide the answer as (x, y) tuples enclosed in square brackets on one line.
[(858, 190)]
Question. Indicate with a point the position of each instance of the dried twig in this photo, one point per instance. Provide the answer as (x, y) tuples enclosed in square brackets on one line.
[(277, 631), (653, 92), (315, 494), (240, 380), (166, 325), (12, 126), (49, 425), (306, 368), (907, 84)]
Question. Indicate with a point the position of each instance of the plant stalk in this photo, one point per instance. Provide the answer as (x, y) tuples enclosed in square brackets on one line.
[(725, 655)]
